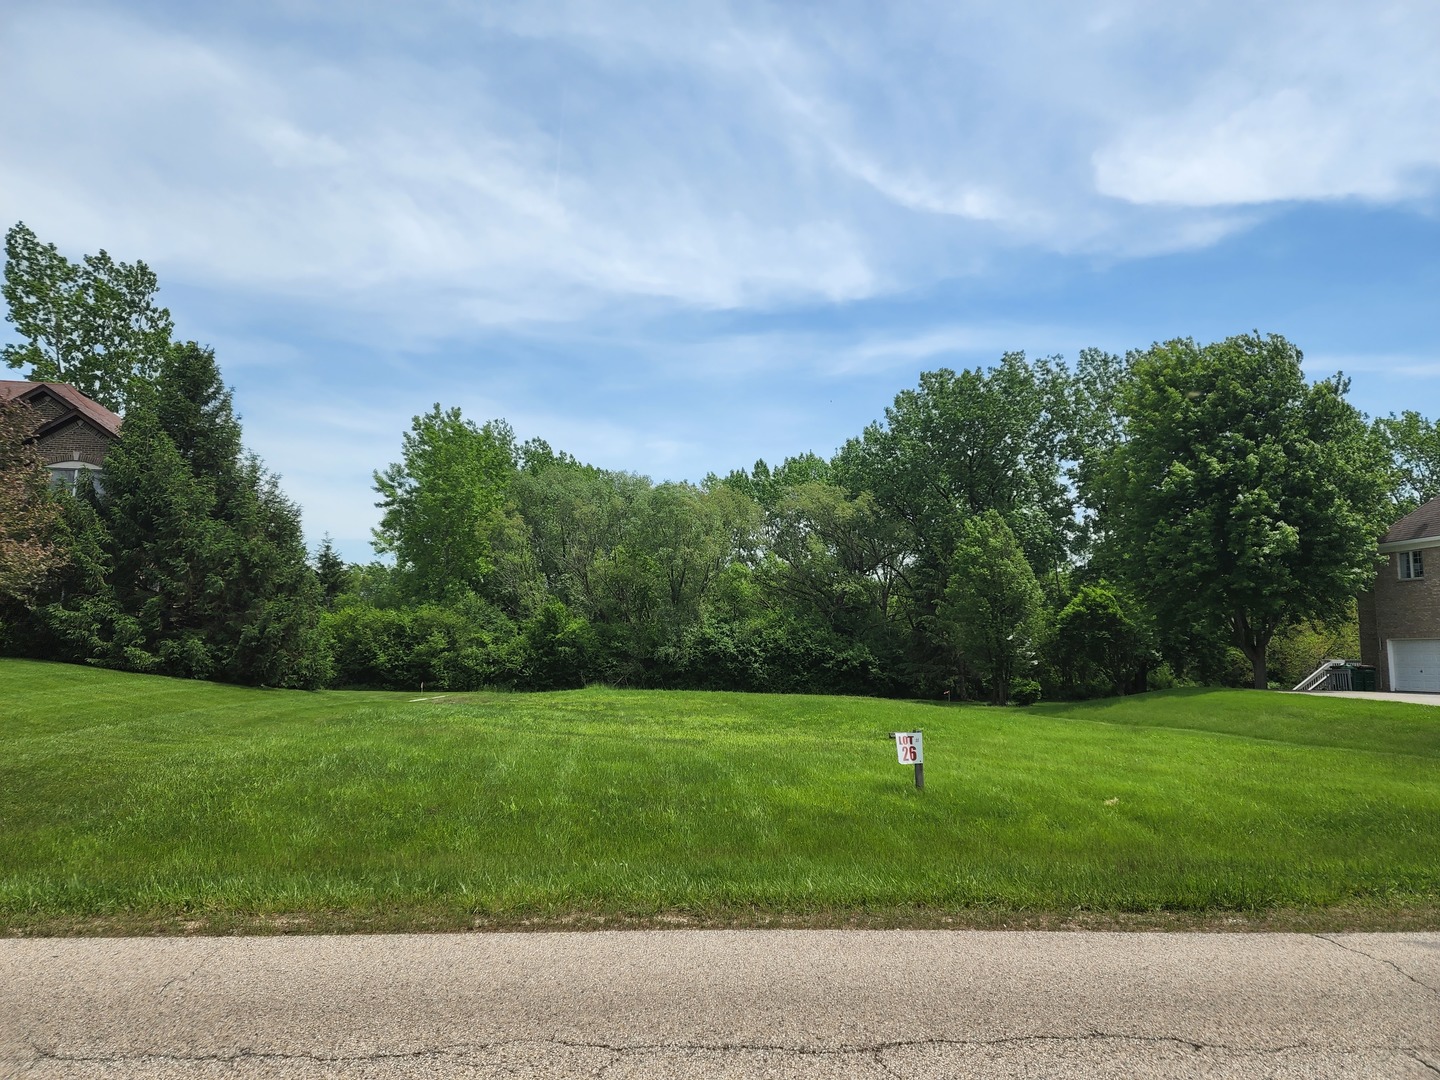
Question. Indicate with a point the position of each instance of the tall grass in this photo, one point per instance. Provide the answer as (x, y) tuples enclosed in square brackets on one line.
[(123, 794)]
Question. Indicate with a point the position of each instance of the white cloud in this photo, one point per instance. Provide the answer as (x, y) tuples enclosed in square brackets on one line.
[(434, 182), (1318, 102), (1408, 365), (521, 163), (238, 167)]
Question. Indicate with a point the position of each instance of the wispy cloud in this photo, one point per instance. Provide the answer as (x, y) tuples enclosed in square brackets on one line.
[(1409, 365), (1310, 102), (532, 163), (242, 168), (556, 210)]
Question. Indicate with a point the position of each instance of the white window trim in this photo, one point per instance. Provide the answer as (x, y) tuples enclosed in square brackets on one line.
[(1404, 565), (66, 474)]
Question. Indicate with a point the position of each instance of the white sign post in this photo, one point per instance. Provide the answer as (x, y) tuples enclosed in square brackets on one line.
[(910, 749)]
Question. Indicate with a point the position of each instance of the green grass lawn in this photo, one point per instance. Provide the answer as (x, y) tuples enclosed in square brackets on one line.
[(132, 801)]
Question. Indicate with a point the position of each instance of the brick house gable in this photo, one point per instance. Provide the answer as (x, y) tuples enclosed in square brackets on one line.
[(72, 428), (1401, 610), (73, 434)]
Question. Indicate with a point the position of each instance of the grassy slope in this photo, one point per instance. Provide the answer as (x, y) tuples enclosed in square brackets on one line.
[(1300, 719), (123, 794)]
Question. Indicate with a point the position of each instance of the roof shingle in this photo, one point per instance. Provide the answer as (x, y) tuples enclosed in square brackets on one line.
[(1421, 524), (92, 411)]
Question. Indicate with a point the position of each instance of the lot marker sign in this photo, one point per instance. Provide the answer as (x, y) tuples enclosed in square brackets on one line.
[(910, 749)]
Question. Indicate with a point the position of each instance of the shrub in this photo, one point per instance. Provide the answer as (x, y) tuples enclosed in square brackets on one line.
[(459, 647), (1025, 691)]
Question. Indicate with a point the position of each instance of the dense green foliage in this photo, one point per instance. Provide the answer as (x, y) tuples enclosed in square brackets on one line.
[(1215, 499), (993, 606), (30, 544), (1414, 444), (943, 550), (125, 794), (1097, 640), (445, 503), (93, 325), (190, 561), (1242, 499)]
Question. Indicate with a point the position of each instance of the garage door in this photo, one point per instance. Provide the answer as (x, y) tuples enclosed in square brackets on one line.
[(1415, 665)]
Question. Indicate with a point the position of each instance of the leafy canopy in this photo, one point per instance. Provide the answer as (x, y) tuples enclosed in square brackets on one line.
[(445, 502), (993, 606), (1414, 446), (1095, 635), (29, 512), (94, 325), (1240, 497)]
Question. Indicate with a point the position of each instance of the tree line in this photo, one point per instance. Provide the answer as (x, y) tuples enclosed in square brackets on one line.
[(1187, 512)]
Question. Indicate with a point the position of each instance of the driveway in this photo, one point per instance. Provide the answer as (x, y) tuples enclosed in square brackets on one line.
[(1375, 695), (656, 1004)]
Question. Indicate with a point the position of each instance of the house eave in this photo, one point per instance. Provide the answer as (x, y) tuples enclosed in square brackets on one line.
[(1418, 543)]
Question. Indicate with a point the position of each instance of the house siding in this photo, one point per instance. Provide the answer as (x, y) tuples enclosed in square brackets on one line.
[(1397, 609)]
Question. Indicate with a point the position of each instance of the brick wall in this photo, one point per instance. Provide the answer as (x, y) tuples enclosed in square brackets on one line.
[(1369, 642), (46, 408), (1398, 609), (70, 440)]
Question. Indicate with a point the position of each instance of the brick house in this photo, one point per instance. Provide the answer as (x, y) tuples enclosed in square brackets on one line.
[(1400, 615), (74, 433)]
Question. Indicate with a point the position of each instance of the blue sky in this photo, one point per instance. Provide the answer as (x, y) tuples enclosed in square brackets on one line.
[(676, 237)]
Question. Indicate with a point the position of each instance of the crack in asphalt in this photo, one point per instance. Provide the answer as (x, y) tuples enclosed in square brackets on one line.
[(878, 1057), (622, 1050), (1427, 1064), (184, 978), (1380, 960)]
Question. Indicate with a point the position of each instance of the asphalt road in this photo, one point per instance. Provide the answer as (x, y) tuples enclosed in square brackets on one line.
[(657, 1004)]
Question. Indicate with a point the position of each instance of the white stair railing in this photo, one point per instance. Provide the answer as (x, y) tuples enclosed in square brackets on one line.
[(1326, 677)]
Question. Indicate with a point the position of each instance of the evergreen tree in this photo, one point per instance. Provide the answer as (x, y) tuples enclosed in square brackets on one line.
[(165, 552), (202, 568), (331, 570), (272, 598), (195, 409)]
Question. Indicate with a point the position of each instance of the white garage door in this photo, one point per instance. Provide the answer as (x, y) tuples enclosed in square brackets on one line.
[(1415, 665)]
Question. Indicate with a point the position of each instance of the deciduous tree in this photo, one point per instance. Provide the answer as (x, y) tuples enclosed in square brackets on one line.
[(993, 606), (1414, 445), (94, 325), (1095, 635), (29, 513), (963, 443), (445, 501), (1242, 496)]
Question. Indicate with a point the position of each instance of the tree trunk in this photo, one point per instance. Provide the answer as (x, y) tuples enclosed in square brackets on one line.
[(1253, 643)]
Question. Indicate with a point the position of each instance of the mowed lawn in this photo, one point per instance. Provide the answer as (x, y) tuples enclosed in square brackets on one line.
[(131, 796)]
